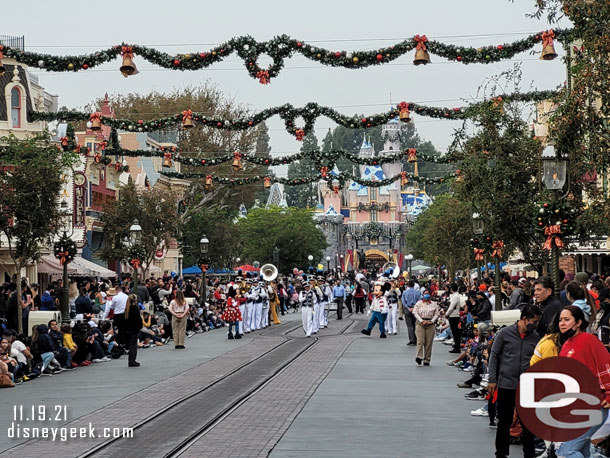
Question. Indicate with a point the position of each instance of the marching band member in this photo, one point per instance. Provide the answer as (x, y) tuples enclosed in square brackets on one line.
[(316, 306), (393, 297), (260, 296), (248, 317), (327, 295), (307, 299), (274, 302)]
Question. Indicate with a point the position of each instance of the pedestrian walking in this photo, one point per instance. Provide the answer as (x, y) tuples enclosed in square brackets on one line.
[(359, 295), (379, 309), (426, 313), (453, 315), (409, 298), (339, 298), (132, 325), (179, 310), (510, 356)]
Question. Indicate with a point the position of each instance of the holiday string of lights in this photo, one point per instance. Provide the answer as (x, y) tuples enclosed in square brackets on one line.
[(283, 47), (309, 113)]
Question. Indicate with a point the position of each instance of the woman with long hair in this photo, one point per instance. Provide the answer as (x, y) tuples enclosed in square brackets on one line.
[(133, 324), (179, 310), (588, 350), (578, 295)]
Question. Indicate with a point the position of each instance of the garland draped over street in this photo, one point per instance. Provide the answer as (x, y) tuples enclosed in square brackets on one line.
[(309, 113)]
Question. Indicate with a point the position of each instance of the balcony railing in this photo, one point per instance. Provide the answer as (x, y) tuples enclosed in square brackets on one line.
[(13, 42)]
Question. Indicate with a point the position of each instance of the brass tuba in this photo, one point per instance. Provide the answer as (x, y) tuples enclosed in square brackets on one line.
[(269, 272)]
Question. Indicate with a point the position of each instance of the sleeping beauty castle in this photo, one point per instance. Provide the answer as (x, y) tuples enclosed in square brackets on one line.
[(365, 226)]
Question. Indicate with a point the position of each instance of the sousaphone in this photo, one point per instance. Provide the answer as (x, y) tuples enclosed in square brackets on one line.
[(391, 269), (269, 272)]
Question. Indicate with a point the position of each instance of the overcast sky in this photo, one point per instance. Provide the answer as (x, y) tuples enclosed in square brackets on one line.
[(188, 26)]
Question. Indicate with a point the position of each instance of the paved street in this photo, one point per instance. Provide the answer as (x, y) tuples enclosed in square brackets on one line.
[(346, 395)]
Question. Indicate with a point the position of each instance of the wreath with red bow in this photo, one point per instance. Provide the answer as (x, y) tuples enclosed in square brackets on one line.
[(65, 250)]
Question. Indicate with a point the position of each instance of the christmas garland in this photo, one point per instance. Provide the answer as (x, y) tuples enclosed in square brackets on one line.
[(279, 49), (373, 206), (309, 113), (373, 229), (65, 250), (556, 219)]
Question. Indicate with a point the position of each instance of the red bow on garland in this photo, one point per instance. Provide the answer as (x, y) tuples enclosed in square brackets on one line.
[(552, 233), (497, 247), (136, 263), (263, 77), (95, 117), (64, 141), (478, 254), (421, 42), (547, 37), (63, 257), (97, 157), (187, 114), (412, 155), (299, 134), (204, 267), (127, 51), (324, 171)]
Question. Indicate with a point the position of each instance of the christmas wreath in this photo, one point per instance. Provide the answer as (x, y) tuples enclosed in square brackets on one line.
[(136, 254), (373, 229), (65, 250), (556, 219)]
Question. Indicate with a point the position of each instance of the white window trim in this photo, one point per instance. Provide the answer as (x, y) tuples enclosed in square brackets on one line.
[(9, 105)]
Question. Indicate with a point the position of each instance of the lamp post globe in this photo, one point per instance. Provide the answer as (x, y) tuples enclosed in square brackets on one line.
[(203, 248)]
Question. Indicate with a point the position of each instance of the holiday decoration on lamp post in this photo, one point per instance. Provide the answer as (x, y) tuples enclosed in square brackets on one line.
[(203, 248), (65, 251), (136, 252)]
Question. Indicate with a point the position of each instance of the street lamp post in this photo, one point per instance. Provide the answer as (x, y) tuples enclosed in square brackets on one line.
[(64, 299), (554, 178), (135, 232), (409, 259), (477, 228), (276, 257), (203, 248), (328, 263), (310, 259)]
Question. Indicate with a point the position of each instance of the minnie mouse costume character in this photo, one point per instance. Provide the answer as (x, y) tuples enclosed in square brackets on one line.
[(379, 307), (232, 314)]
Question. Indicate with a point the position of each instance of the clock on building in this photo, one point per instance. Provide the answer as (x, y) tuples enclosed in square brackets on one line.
[(79, 179)]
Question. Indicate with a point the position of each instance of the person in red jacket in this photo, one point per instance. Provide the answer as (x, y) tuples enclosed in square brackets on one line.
[(232, 313), (588, 350)]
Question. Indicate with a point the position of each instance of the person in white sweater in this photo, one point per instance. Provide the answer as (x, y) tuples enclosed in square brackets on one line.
[(379, 309)]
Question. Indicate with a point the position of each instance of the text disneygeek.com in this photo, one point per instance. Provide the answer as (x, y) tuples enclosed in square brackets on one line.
[(64, 433)]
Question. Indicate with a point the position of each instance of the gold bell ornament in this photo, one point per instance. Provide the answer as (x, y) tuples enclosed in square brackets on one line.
[(404, 114), (96, 121), (167, 159), (403, 179), (548, 49), (412, 155), (237, 161), (421, 51), (187, 119), (267, 182), (208, 182), (128, 67)]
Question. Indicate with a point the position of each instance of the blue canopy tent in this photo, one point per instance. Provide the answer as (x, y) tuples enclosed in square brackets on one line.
[(194, 270)]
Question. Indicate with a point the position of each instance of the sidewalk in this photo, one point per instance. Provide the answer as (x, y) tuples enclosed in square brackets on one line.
[(377, 402)]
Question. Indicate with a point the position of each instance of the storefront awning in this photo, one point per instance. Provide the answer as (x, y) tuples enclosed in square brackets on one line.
[(48, 264), (91, 269)]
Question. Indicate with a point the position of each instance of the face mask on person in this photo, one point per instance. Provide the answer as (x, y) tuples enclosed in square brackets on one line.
[(530, 327), (426, 297), (564, 336)]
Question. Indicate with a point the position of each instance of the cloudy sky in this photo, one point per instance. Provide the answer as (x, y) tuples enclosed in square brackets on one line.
[(71, 27)]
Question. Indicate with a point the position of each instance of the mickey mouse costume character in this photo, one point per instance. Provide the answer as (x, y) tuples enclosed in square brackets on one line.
[(379, 307)]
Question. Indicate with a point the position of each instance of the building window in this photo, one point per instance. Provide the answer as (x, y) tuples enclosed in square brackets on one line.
[(373, 193), (16, 107), (373, 216)]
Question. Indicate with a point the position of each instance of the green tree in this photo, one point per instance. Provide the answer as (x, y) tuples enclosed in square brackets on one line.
[(31, 177), (154, 209), (440, 232), (306, 195), (200, 142), (293, 231)]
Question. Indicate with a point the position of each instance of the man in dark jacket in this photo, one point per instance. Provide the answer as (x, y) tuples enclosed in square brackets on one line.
[(549, 304), (482, 312), (510, 356), (61, 352)]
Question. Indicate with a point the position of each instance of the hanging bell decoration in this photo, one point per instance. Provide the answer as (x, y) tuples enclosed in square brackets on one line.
[(548, 49), (324, 171), (403, 179), (498, 103), (237, 165), (2, 69), (129, 67), (167, 159), (208, 182), (404, 114), (421, 51), (187, 119), (267, 182), (96, 121), (412, 152)]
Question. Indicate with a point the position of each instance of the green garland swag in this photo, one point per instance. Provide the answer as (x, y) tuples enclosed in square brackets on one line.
[(279, 49), (309, 113)]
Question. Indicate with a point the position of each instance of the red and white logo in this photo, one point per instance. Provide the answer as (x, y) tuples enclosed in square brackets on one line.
[(559, 399)]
